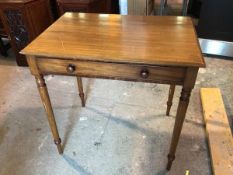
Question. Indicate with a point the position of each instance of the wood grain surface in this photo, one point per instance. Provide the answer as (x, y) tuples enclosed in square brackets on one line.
[(153, 40), (158, 74), (218, 131), (134, 48), (15, 1)]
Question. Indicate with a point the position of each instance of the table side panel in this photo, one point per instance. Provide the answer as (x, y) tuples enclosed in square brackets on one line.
[(131, 72)]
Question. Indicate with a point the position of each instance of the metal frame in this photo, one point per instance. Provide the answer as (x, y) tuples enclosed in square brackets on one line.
[(216, 47), (163, 4)]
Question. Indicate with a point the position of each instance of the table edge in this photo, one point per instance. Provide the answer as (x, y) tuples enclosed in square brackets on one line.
[(159, 63)]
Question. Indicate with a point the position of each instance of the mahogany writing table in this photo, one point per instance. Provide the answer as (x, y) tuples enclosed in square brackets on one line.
[(151, 49)]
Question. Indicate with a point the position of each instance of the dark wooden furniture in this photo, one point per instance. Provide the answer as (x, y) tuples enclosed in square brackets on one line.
[(24, 20), (54, 9), (2, 30), (87, 6), (133, 48), (3, 47)]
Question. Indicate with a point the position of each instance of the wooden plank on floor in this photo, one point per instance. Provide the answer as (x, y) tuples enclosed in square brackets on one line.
[(218, 131)]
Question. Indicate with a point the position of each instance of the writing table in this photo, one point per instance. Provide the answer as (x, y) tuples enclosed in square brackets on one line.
[(151, 49)]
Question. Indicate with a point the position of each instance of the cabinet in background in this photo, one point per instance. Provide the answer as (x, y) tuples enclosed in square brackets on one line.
[(88, 6), (23, 21)]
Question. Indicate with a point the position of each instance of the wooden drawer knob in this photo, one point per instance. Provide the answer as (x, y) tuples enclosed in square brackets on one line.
[(70, 68), (144, 73)]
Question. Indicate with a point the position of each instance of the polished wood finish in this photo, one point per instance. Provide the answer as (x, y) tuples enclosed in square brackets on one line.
[(87, 6), (48, 108), (80, 89), (170, 98), (46, 102), (188, 85), (132, 48), (24, 20), (16, 1), (124, 39), (159, 74)]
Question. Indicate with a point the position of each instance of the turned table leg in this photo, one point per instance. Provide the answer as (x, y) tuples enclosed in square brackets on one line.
[(80, 89), (48, 108), (170, 98), (181, 111), (188, 85)]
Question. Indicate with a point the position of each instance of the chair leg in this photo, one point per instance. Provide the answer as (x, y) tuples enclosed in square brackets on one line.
[(170, 98), (80, 89)]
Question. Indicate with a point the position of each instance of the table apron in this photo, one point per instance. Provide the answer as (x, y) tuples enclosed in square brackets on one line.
[(121, 71)]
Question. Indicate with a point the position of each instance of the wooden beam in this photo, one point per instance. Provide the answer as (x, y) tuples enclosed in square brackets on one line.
[(218, 131)]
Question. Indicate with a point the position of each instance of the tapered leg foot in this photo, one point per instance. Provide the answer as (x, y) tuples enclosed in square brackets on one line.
[(81, 95), (59, 147), (170, 98), (48, 108), (170, 160), (80, 89), (180, 115)]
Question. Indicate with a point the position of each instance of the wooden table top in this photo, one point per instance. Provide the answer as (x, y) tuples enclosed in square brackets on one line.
[(152, 40)]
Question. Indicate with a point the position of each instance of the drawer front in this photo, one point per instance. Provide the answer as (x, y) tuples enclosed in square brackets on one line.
[(159, 74)]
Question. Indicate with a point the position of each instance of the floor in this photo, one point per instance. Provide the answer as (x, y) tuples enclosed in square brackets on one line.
[(122, 130)]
